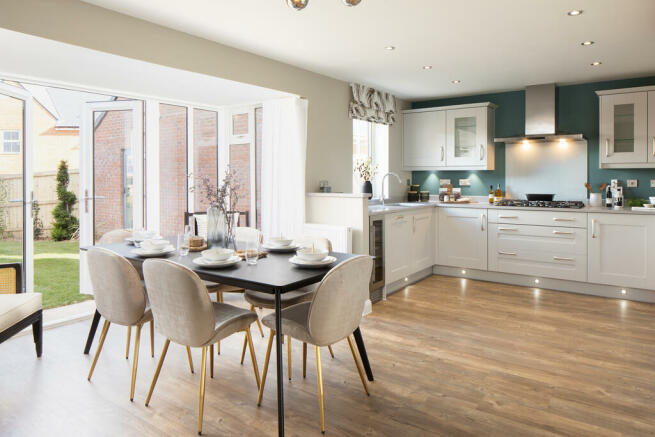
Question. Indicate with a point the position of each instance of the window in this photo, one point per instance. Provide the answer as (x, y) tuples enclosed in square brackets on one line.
[(11, 141), (371, 139)]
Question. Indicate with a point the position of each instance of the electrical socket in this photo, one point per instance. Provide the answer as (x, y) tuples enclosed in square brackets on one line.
[(633, 183), (464, 182), (443, 182)]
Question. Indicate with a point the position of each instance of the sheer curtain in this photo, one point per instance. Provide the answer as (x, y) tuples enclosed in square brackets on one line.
[(284, 148)]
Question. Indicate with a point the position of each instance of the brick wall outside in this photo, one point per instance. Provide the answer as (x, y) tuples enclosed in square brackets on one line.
[(111, 137), (240, 165), (172, 168), (205, 153)]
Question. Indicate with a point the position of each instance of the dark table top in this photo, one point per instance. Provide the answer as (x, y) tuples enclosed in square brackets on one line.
[(273, 272)]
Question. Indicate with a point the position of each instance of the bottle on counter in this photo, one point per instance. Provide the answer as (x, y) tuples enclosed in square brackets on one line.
[(491, 194), (608, 198), (498, 194)]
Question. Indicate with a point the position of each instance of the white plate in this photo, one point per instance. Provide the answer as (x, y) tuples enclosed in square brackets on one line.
[(204, 262), (312, 265), (280, 249), (131, 240), (153, 253)]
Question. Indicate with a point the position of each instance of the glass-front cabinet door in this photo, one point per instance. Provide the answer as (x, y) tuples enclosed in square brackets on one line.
[(466, 137), (623, 128), (651, 127)]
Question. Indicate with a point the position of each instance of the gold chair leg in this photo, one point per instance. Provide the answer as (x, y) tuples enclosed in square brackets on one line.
[(211, 361), (152, 338), (201, 397), (304, 359), (319, 380), (330, 349), (127, 345), (359, 366), (265, 370), (259, 325), (105, 328), (243, 350), (289, 357), (137, 342), (252, 356), (156, 375), (188, 354)]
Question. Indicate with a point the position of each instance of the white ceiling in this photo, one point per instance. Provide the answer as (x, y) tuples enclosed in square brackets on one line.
[(26, 57), (490, 45)]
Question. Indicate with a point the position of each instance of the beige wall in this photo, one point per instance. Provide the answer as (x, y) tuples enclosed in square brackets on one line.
[(329, 154)]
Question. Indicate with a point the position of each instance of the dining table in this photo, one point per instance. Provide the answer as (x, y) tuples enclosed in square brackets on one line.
[(272, 274)]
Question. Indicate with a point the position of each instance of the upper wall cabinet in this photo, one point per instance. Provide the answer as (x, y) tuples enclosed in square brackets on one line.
[(627, 128), (449, 138)]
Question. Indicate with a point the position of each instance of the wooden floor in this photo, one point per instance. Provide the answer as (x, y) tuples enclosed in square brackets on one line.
[(451, 357)]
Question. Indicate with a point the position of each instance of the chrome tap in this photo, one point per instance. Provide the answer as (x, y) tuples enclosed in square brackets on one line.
[(382, 185)]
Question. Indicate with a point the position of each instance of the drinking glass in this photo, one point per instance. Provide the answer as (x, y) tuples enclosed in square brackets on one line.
[(182, 244), (252, 249)]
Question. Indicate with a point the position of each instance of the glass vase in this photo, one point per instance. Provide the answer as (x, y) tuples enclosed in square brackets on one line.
[(215, 226), (230, 223)]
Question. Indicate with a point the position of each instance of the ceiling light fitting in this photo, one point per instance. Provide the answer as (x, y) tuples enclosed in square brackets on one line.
[(456, 81), (586, 43), (574, 12), (390, 48), (299, 5), (427, 67), (596, 63)]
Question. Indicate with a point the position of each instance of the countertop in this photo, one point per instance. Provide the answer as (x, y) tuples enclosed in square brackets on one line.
[(374, 210)]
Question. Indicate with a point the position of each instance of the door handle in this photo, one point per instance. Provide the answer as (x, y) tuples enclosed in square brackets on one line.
[(481, 152), (607, 147), (593, 228), (508, 216), (483, 218), (507, 229), (443, 154), (500, 252), (87, 198), (561, 258), (653, 145), (563, 233), (563, 219)]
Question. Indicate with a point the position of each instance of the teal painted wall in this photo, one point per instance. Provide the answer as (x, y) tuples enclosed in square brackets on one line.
[(577, 112)]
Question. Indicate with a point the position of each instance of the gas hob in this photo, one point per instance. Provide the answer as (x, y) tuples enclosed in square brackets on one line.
[(570, 204)]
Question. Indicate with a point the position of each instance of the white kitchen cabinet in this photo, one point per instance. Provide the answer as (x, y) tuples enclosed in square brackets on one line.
[(397, 246), (627, 128), (422, 241), (456, 137), (621, 250), (424, 139), (463, 237)]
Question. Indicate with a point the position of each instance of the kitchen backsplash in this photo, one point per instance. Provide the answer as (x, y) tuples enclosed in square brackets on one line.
[(577, 111)]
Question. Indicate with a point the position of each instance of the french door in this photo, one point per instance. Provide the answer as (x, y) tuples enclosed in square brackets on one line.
[(111, 172), (16, 190)]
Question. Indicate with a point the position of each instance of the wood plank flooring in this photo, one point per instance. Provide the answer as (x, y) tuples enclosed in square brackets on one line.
[(451, 357)]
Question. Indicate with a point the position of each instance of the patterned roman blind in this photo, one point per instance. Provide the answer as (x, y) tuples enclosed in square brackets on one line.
[(372, 105)]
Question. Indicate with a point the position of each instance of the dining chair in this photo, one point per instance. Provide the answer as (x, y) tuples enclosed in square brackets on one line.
[(184, 314), (120, 297), (334, 312), (257, 299)]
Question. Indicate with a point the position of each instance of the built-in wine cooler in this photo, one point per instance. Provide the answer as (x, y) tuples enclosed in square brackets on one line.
[(376, 250)]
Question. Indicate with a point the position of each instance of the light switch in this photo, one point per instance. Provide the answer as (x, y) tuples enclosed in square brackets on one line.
[(632, 183), (464, 182), (443, 182)]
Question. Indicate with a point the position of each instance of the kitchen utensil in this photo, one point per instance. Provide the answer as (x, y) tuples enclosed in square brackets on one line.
[(325, 262), (279, 242), (311, 254), (154, 244), (149, 253), (595, 199), (280, 249), (602, 187), (588, 186), (542, 197), (218, 254), (204, 262)]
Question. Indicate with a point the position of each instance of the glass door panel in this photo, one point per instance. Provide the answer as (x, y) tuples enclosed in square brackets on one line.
[(466, 137), (205, 154), (16, 244), (172, 168), (623, 130)]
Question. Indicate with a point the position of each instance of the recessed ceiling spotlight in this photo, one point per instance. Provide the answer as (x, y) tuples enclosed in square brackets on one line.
[(595, 63), (456, 81), (574, 12), (586, 43), (427, 67), (390, 48)]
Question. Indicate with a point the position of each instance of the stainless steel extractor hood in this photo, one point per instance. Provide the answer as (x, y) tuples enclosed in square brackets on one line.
[(540, 117)]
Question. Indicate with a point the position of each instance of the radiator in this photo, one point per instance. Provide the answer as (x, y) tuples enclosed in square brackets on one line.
[(339, 236)]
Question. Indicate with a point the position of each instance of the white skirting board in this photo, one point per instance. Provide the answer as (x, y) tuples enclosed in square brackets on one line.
[(610, 291)]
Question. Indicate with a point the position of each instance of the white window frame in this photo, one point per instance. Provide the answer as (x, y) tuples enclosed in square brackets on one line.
[(6, 141), (381, 159)]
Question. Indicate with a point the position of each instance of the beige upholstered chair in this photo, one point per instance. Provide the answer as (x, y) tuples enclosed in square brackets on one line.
[(120, 298), (257, 299), (333, 314), (185, 315)]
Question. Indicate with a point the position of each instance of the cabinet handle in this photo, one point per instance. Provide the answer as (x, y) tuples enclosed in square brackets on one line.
[(607, 147), (400, 217), (563, 219), (483, 218), (653, 145), (561, 258), (593, 228), (563, 233), (481, 152), (443, 153), (507, 229), (508, 216), (500, 252)]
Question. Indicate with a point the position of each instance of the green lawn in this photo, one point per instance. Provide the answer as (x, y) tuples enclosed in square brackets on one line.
[(56, 270)]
